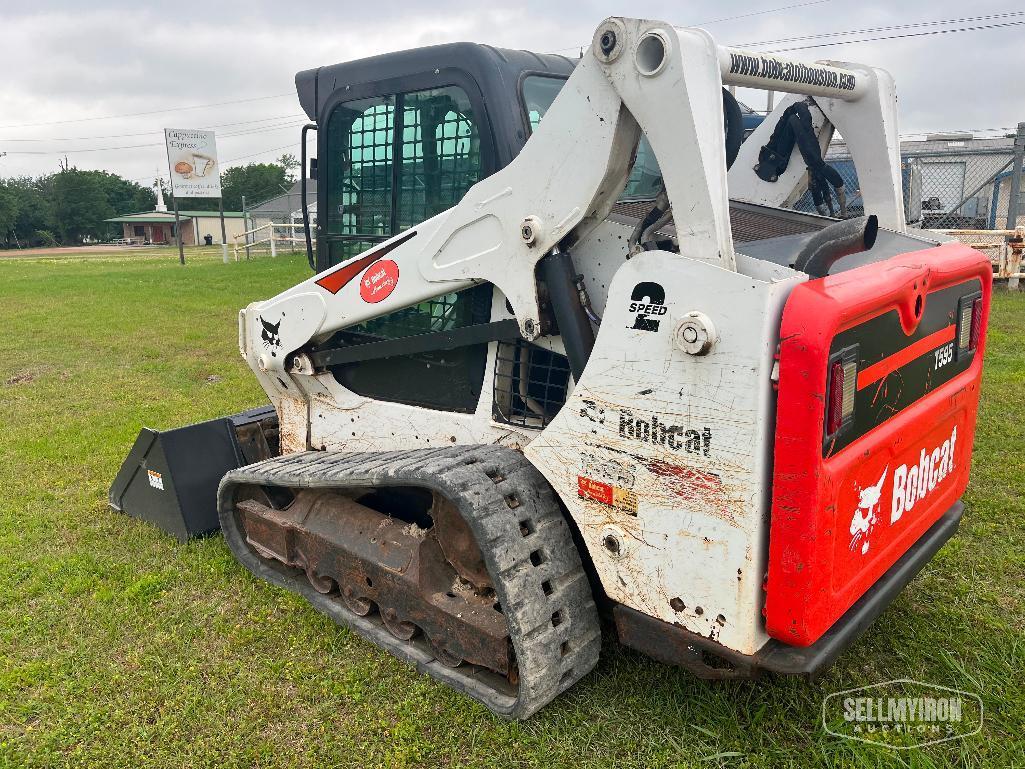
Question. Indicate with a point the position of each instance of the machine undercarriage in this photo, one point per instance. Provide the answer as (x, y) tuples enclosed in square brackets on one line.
[(455, 559)]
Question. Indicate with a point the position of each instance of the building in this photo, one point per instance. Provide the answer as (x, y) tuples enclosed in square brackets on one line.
[(953, 180), (285, 208), (157, 227)]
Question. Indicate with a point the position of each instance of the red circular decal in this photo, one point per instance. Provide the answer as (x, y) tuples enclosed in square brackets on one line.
[(379, 281)]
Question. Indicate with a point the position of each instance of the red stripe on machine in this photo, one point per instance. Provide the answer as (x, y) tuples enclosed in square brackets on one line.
[(337, 280), (886, 366)]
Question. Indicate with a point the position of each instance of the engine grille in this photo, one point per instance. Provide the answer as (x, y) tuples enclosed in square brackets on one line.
[(747, 222)]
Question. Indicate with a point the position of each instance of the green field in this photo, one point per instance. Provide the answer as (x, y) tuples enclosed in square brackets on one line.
[(121, 648)]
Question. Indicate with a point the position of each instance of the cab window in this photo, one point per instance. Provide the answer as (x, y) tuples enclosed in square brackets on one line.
[(539, 91), (392, 162)]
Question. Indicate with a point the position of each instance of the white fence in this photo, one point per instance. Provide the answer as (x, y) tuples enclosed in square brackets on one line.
[(1005, 249), (270, 238)]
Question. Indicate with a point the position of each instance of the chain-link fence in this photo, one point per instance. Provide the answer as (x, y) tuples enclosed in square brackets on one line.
[(949, 182)]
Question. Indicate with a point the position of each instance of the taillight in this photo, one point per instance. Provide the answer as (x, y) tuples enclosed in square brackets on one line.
[(969, 324), (834, 409), (973, 339), (840, 389)]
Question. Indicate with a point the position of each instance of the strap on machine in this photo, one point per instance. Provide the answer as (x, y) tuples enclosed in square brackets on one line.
[(795, 127)]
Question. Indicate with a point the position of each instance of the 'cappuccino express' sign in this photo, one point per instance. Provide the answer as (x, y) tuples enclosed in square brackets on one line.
[(192, 158)]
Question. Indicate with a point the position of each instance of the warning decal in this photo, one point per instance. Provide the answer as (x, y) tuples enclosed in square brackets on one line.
[(607, 494)]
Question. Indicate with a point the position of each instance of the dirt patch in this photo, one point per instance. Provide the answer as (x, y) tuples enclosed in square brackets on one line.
[(23, 377), (104, 249)]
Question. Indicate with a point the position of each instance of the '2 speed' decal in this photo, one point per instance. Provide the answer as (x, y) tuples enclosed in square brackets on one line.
[(648, 301)]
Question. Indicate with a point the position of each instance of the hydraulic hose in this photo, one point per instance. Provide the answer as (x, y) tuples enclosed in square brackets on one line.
[(832, 243), (734, 126)]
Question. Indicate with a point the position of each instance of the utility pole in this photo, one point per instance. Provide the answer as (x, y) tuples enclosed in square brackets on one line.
[(224, 232), (1014, 203)]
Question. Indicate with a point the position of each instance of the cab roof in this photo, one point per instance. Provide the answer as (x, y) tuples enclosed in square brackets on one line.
[(496, 70)]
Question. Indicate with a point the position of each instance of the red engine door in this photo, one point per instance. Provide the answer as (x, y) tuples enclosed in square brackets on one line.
[(879, 376)]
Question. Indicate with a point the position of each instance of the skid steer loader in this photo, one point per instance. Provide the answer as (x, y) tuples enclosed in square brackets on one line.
[(571, 352)]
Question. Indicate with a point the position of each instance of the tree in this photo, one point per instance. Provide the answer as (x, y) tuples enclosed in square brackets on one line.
[(256, 181), (79, 205), (125, 196), (8, 212), (35, 209), (290, 164), (71, 205)]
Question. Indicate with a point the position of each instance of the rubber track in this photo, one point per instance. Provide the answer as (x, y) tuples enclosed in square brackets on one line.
[(512, 512)]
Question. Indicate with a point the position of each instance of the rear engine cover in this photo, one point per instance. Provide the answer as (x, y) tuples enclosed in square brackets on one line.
[(847, 505)]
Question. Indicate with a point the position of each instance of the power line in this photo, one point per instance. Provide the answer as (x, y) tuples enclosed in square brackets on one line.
[(759, 13), (901, 37), (151, 112), (261, 152), (938, 22), (153, 132), (780, 9), (80, 151)]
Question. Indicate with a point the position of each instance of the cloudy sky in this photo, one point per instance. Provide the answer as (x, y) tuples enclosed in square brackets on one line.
[(97, 82)]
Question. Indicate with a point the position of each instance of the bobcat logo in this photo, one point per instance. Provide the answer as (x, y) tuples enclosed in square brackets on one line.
[(270, 336), (865, 517)]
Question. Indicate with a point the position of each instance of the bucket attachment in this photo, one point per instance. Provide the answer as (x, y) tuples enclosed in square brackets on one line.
[(170, 478)]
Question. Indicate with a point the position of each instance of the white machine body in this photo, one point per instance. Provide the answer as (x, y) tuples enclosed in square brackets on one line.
[(677, 393)]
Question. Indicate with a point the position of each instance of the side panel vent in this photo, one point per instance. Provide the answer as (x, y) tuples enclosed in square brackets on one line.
[(531, 384)]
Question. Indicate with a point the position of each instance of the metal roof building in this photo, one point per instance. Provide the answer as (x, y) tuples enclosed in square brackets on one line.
[(157, 227)]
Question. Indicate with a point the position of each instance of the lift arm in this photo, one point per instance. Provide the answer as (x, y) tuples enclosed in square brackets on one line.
[(638, 75)]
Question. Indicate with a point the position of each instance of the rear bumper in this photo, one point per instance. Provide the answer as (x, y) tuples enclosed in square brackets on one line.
[(675, 646)]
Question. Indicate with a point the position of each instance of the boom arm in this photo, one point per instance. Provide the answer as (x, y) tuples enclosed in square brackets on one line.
[(566, 179)]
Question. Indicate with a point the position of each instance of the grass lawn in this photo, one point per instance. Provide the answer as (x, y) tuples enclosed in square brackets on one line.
[(119, 647)]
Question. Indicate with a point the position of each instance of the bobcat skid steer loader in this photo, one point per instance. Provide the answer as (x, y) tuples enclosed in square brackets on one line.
[(513, 397)]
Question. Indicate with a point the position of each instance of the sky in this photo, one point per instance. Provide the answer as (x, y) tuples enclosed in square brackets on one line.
[(77, 75)]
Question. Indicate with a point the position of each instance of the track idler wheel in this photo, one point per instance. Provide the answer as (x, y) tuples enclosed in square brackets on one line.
[(322, 584)]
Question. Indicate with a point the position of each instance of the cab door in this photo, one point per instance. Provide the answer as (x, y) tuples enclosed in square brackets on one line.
[(388, 160)]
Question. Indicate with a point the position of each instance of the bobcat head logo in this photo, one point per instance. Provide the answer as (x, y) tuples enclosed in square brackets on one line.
[(270, 336), (865, 514)]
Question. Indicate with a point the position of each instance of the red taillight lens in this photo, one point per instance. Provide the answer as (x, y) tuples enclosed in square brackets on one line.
[(834, 404), (843, 376), (973, 340)]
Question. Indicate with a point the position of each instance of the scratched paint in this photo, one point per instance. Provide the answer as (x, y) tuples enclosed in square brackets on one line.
[(695, 435)]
